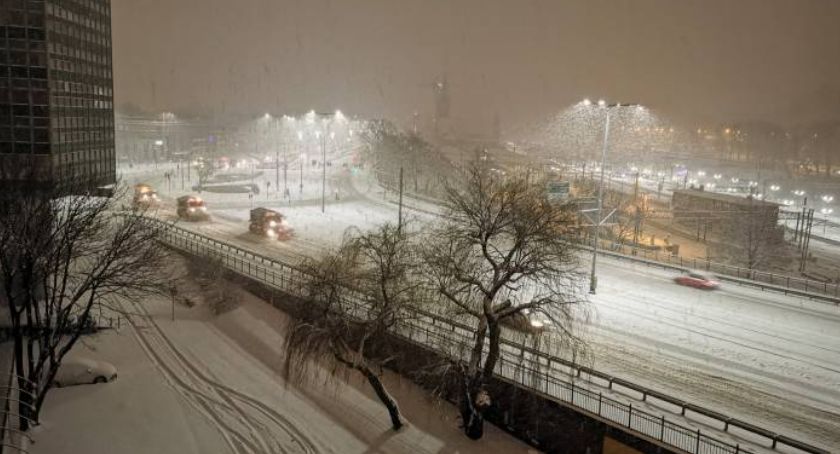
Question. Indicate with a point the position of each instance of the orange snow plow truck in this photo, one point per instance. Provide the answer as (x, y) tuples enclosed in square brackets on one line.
[(145, 196)]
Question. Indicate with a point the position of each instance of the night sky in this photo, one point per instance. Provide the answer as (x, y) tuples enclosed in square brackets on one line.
[(691, 60)]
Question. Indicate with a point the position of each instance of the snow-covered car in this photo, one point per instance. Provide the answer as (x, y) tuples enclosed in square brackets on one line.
[(79, 371), (697, 280)]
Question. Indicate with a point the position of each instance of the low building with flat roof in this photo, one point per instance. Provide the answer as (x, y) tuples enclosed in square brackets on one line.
[(713, 212)]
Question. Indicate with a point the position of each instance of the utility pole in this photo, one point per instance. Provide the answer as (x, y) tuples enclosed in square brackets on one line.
[(796, 230), (806, 241), (593, 280), (802, 227), (277, 169), (324, 170), (636, 188), (400, 212), (285, 168)]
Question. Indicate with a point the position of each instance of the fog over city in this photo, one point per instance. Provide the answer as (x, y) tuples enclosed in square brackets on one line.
[(695, 61)]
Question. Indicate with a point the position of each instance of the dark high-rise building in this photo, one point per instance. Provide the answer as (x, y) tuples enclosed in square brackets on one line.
[(56, 92)]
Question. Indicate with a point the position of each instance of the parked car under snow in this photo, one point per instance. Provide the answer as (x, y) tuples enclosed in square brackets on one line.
[(80, 371)]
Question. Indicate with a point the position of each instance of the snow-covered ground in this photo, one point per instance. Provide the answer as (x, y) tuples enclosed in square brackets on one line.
[(213, 384), (766, 358)]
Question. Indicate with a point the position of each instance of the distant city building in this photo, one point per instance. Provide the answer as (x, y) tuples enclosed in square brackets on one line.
[(167, 137), (56, 92), (712, 212)]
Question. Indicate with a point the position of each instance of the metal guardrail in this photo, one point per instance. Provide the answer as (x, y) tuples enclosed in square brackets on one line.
[(527, 367), (684, 266), (780, 281), (12, 439)]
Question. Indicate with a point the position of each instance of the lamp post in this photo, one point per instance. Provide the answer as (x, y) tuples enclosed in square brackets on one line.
[(324, 167), (302, 158), (325, 135), (801, 193), (826, 212), (596, 228)]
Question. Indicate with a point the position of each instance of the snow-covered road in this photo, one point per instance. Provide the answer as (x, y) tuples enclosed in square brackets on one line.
[(766, 358), (763, 357)]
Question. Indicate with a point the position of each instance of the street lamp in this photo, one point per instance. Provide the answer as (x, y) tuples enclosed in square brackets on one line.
[(327, 119), (302, 160), (801, 193), (826, 212), (828, 198), (593, 281)]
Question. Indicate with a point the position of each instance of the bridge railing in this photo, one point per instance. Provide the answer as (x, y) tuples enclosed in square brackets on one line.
[(531, 368)]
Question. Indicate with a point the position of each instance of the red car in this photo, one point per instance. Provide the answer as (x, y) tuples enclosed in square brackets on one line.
[(697, 280)]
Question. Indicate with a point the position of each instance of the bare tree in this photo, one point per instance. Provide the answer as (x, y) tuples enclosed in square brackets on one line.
[(390, 149), (355, 296), (61, 257), (824, 144), (625, 220), (501, 253), (205, 170), (755, 236)]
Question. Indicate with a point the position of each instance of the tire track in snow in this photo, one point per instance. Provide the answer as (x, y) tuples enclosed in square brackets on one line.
[(203, 403), (255, 442), (717, 335)]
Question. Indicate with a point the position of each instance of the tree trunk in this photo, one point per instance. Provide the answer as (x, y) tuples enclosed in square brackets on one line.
[(474, 398), (52, 370), (378, 388), (471, 415), (23, 387), (384, 397), (478, 347), (495, 331)]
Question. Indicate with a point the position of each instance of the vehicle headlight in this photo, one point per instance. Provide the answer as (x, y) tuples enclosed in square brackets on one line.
[(144, 197), (272, 224), (271, 233), (191, 210), (203, 208)]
